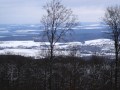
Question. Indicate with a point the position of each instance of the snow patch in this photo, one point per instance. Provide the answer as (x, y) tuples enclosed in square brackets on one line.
[(34, 49)]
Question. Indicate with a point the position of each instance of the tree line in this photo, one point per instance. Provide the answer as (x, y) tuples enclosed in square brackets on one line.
[(68, 73)]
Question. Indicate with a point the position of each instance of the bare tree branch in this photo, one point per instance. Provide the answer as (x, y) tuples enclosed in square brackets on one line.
[(112, 19), (57, 22)]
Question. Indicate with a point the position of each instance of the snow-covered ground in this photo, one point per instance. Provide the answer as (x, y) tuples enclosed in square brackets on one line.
[(37, 49)]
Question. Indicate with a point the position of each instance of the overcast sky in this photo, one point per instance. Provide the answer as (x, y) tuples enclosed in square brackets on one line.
[(30, 11)]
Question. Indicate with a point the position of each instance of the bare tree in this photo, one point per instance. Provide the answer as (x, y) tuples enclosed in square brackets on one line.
[(57, 21), (112, 19)]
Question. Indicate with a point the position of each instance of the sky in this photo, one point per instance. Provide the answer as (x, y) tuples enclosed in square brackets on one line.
[(31, 11)]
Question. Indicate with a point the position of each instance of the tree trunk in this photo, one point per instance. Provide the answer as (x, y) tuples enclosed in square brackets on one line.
[(50, 62), (116, 65)]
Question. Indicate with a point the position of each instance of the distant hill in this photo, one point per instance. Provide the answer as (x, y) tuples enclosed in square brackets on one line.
[(84, 31)]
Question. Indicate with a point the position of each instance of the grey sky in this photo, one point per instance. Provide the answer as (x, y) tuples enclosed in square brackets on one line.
[(30, 11)]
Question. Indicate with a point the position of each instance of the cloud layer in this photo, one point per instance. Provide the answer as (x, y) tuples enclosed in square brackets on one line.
[(30, 11)]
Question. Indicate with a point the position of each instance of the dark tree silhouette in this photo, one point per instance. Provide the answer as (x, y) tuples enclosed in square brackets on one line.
[(112, 19), (57, 21)]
